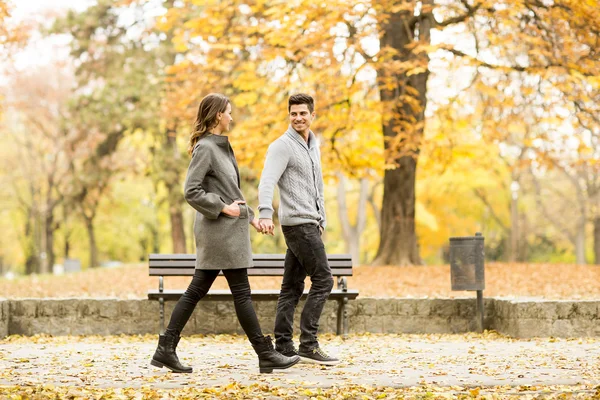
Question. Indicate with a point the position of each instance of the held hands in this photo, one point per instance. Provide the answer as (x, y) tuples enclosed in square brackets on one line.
[(256, 225), (266, 226), (263, 227), (233, 209)]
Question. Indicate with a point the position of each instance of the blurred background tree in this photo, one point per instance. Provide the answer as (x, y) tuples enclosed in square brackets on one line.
[(496, 102)]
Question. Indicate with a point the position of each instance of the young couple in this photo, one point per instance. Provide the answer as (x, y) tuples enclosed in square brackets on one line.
[(212, 188)]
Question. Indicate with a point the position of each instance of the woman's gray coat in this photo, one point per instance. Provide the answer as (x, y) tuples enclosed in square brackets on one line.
[(212, 182)]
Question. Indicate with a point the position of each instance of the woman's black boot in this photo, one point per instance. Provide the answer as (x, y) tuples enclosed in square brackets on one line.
[(269, 359), (165, 355)]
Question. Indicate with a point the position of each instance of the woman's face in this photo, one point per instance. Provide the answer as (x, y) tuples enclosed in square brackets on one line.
[(225, 121)]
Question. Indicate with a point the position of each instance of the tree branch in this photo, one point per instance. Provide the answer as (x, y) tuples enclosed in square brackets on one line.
[(517, 68), (459, 18)]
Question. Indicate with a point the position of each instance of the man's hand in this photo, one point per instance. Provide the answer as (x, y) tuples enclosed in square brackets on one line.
[(267, 227), (233, 209), (321, 230)]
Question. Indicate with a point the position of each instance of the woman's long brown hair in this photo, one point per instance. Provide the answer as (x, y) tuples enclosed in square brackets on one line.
[(209, 108)]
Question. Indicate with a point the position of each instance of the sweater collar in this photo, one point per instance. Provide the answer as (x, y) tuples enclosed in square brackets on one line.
[(312, 141)]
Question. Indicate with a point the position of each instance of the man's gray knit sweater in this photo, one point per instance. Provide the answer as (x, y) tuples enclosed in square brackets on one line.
[(295, 167)]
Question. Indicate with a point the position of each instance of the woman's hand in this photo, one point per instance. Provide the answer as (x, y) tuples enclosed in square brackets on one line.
[(233, 209), (256, 225)]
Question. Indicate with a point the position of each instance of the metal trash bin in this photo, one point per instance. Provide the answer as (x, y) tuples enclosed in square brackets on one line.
[(467, 270)]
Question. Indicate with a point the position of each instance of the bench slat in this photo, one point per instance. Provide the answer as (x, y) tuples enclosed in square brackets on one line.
[(266, 257), (164, 271), (256, 263), (256, 294)]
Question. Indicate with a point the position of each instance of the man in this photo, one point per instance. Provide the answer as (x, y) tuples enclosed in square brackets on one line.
[(293, 163)]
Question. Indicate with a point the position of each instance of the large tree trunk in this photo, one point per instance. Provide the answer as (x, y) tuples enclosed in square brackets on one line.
[(398, 239), (403, 96)]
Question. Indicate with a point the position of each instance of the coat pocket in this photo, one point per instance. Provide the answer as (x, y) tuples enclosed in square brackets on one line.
[(243, 212)]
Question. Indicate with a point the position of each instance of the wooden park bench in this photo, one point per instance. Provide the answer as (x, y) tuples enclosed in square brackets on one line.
[(162, 265)]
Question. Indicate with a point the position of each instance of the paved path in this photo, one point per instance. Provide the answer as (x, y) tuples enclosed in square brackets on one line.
[(458, 362)]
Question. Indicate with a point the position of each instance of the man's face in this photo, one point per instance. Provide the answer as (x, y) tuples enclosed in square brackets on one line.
[(301, 117)]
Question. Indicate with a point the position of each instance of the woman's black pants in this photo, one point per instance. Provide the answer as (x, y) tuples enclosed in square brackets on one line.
[(201, 283)]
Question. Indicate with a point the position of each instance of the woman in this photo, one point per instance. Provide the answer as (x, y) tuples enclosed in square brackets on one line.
[(212, 188)]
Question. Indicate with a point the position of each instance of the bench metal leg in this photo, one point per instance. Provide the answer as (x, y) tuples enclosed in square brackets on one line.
[(161, 305)]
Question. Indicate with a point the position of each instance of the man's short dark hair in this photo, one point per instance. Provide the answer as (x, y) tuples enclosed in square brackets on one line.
[(301, 98)]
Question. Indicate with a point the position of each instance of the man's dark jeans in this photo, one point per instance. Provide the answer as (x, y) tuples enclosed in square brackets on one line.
[(201, 283), (305, 256)]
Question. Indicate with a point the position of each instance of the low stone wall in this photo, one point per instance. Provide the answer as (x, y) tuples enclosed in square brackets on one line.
[(82, 316), (393, 315), (526, 318), (375, 315)]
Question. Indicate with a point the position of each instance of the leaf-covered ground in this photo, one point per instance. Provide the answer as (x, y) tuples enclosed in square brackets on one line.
[(373, 367), (267, 392), (551, 281)]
